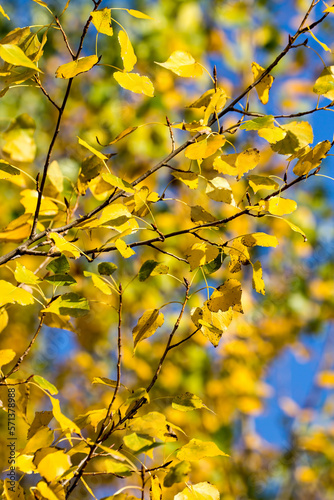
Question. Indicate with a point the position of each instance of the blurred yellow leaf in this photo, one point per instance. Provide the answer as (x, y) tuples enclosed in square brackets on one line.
[(128, 56), (135, 83), (74, 68), (91, 149), (190, 179), (326, 379), (138, 14), (29, 201), (199, 491), (182, 64), (258, 283), (4, 13), (6, 356), (3, 319), (65, 423), (53, 465), (197, 449)]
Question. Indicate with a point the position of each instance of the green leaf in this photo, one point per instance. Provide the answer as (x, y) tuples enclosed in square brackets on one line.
[(106, 268), (60, 265), (74, 68), (138, 394), (258, 123), (187, 402), (91, 149), (69, 304), (196, 450), (44, 384), (215, 264), (139, 443), (60, 280), (151, 268), (14, 55), (117, 182), (177, 474)]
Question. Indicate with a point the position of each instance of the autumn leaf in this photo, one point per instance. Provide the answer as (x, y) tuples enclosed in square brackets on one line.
[(135, 83), (263, 87), (102, 21), (147, 325), (183, 64), (128, 56), (74, 68), (197, 449)]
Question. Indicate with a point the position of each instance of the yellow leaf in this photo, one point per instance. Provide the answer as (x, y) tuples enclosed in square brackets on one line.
[(239, 254), (183, 64), (226, 296), (55, 176), (29, 201), (16, 234), (4, 13), (53, 465), (120, 136), (147, 325), (117, 182), (102, 21), (200, 254), (237, 164), (323, 45), (258, 283), (259, 239), (124, 249), (278, 206), (190, 179), (7, 170), (218, 189), (199, 216), (199, 491), (10, 493), (225, 164), (135, 83), (205, 148), (14, 55), (19, 143), (324, 84), (64, 246), (25, 463), (128, 56), (312, 158), (3, 319), (41, 439), (138, 14), (155, 489), (217, 102), (93, 150), (23, 275), (272, 134), (74, 68), (265, 84), (196, 450), (326, 379), (258, 182), (65, 423), (213, 324), (98, 283), (9, 294), (6, 356), (48, 493)]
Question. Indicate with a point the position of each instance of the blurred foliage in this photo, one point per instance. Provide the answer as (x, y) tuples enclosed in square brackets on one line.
[(81, 314)]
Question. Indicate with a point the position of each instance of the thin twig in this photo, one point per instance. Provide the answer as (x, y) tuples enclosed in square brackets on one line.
[(65, 38), (37, 80), (26, 352), (172, 346), (168, 253)]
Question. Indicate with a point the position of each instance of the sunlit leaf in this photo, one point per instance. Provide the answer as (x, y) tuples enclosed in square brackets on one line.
[(151, 268), (13, 54), (187, 402), (226, 296), (258, 123), (183, 64), (259, 239), (102, 21), (45, 384), (3, 319), (263, 87), (258, 182), (10, 294), (64, 246), (6, 356), (212, 324), (324, 84), (128, 56), (312, 158), (74, 68), (65, 423), (218, 189), (190, 179), (117, 182), (99, 283), (4, 13), (53, 465), (124, 249), (19, 144), (258, 283), (205, 147), (138, 14), (55, 175), (135, 82), (7, 170), (91, 149), (41, 438), (23, 275), (237, 164), (200, 254), (147, 325)]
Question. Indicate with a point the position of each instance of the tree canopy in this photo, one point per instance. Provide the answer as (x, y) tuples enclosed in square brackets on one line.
[(166, 238)]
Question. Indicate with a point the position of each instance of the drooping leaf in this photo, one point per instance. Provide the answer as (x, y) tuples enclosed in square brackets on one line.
[(10, 294), (218, 189), (127, 53), (102, 21), (69, 304), (14, 55), (91, 149), (259, 239), (312, 158), (196, 450), (64, 246), (60, 280), (200, 254), (147, 325), (120, 136), (226, 296), (124, 249), (135, 83), (45, 384), (4, 13), (117, 182), (183, 64), (258, 123), (99, 283), (7, 170), (74, 68), (138, 14), (212, 324), (190, 179), (263, 87), (237, 164), (65, 423), (324, 85), (278, 205)]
